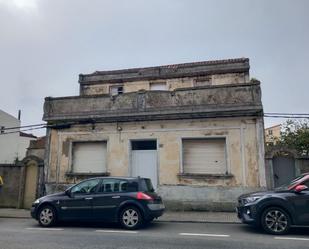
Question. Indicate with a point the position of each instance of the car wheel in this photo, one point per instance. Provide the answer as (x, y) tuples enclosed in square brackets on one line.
[(276, 221), (47, 216), (131, 218)]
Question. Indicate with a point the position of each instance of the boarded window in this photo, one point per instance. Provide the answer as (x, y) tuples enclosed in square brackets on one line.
[(116, 90), (202, 81), (158, 86), (204, 156), (89, 157)]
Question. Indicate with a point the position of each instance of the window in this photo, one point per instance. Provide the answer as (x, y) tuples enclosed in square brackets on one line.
[(117, 185), (144, 145), (160, 86), (86, 187), (89, 157), (270, 132), (202, 81), (204, 156), (116, 90)]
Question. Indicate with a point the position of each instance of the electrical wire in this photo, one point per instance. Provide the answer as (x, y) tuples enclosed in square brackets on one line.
[(21, 127), (44, 125)]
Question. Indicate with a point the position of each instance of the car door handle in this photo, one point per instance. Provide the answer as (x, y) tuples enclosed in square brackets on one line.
[(116, 197), (88, 198)]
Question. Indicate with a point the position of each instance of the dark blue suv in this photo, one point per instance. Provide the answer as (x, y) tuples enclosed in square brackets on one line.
[(276, 211), (129, 201)]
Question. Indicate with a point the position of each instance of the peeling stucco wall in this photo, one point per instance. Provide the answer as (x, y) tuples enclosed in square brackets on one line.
[(240, 134)]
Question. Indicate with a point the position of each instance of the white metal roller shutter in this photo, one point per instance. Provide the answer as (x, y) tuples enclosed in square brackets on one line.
[(204, 156), (89, 157)]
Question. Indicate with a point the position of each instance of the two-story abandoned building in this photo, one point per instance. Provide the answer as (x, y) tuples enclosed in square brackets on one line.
[(195, 129)]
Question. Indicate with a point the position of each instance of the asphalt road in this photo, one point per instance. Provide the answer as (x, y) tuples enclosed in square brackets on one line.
[(25, 233)]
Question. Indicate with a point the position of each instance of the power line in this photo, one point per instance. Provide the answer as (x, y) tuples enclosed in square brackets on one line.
[(21, 127), (286, 114), (45, 125), (30, 129)]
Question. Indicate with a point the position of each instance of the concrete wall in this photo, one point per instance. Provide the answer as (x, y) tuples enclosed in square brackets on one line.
[(207, 101), (243, 157), (10, 191), (302, 164)]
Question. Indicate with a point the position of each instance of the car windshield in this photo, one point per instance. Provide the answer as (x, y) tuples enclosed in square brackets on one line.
[(290, 184)]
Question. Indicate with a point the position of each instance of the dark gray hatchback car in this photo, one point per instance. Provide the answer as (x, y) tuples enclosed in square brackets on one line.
[(129, 201)]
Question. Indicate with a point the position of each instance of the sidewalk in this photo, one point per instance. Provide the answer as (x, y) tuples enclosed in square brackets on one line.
[(169, 216), (14, 213), (199, 217)]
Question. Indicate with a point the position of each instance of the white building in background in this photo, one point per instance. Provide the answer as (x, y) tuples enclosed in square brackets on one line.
[(13, 143)]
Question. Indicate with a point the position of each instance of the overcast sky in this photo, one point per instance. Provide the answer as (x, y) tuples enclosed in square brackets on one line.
[(45, 44)]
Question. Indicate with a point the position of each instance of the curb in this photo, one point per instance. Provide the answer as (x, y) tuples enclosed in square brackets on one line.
[(156, 221), (197, 221), (14, 217)]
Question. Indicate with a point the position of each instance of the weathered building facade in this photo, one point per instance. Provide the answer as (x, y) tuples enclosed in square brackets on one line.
[(195, 129)]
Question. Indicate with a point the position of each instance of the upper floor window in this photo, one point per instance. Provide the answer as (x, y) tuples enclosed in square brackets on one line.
[(202, 81), (115, 90), (158, 86)]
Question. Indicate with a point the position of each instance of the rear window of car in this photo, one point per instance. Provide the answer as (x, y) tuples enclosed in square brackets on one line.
[(146, 185)]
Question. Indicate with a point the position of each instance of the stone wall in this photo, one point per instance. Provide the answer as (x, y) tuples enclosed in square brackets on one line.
[(10, 190)]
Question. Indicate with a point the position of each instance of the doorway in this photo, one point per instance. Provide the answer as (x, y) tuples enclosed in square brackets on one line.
[(144, 160), (284, 169)]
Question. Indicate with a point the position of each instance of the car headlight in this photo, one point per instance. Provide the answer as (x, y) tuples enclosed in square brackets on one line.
[(37, 201), (251, 199)]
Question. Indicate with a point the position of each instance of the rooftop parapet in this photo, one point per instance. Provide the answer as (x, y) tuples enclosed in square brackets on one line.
[(201, 102)]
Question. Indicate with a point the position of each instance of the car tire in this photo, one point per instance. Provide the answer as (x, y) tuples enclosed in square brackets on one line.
[(276, 221), (130, 218), (47, 216)]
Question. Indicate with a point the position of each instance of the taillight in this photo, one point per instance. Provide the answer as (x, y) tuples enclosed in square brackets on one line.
[(143, 196)]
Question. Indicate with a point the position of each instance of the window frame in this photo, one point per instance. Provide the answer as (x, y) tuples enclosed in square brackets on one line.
[(182, 172), (158, 83), (71, 161), (116, 86), (115, 192), (87, 193)]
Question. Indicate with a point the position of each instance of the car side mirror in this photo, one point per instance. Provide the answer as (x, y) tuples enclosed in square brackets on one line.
[(300, 188), (68, 193)]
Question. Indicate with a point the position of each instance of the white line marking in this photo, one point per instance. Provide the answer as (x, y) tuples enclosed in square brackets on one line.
[(205, 234), (291, 238), (115, 231), (44, 229)]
